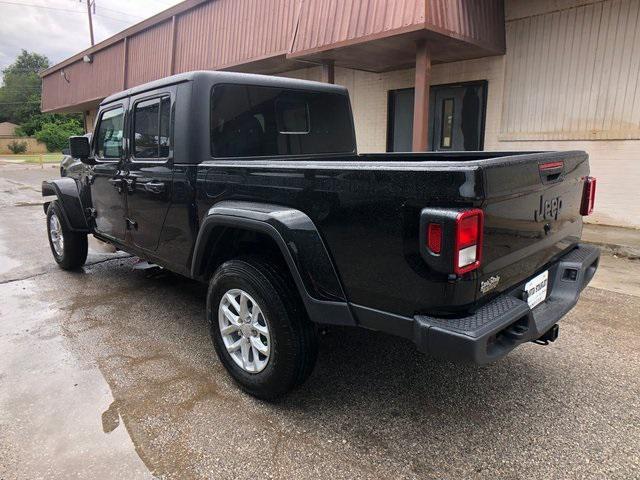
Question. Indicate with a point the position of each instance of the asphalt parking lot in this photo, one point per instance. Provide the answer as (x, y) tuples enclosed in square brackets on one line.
[(110, 373)]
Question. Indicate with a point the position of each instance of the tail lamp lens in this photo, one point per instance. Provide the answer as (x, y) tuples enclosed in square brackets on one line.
[(434, 237), (588, 196), (468, 246)]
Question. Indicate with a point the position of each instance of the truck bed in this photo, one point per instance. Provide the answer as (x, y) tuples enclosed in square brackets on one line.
[(368, 208)]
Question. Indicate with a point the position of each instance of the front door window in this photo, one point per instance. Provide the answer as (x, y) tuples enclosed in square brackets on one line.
[(107, 188), (109, 136)]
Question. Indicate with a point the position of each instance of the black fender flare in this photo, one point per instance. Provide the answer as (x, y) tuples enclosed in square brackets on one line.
[(300, 244), (68, 195)]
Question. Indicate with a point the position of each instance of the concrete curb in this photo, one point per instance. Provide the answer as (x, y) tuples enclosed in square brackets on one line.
[(620, 241)]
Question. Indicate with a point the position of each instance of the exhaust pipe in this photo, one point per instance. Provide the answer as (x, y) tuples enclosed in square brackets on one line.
[(550, 335)]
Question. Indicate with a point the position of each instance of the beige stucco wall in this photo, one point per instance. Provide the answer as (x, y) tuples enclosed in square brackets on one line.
[(616, 163), (90, 119), (33, 145)]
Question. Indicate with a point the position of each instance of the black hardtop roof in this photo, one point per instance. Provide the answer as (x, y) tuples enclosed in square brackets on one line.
[(213, 77)]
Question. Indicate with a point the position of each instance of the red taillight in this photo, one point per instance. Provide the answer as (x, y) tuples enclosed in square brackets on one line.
[(588, 196), (434, 237), (468, 246)]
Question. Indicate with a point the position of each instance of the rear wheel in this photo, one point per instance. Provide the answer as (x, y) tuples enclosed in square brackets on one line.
[(259, 327), (69, 248)]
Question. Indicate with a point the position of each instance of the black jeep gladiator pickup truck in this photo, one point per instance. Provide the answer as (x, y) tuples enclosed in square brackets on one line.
[(253, 184)]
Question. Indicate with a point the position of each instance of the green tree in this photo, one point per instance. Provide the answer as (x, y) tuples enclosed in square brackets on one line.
[(56, 134), (34, 123), (20, 92)]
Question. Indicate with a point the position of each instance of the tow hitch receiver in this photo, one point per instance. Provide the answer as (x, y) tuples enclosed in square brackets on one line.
[(550, 335)]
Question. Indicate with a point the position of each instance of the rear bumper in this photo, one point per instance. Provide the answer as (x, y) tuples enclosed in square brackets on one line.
[(502, 324)]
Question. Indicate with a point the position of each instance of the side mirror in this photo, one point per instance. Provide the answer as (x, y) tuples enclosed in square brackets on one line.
[(65, 151), (80, 148)]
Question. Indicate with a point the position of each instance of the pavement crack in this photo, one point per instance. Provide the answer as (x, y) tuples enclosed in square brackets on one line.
[(23, 186), (53, 269)]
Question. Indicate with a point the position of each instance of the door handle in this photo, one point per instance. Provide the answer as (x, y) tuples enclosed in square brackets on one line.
[(154, 187), (116, 183), (131, 184)]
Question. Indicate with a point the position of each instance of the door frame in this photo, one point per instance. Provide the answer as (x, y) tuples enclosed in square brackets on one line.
[(138, 164), (391, 109), (391, 113), (117, 164)]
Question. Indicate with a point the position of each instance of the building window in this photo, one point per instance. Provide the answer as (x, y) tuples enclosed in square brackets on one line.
[(151, 128)]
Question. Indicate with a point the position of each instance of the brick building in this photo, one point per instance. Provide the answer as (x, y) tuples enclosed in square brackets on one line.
[(422, 74)]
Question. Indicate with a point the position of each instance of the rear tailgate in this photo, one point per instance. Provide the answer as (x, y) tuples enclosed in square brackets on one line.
[(532, 214)]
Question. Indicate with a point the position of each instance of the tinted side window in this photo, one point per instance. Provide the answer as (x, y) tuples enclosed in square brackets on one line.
[(265, 121), (165, 130), (151, 128), (109, 137)]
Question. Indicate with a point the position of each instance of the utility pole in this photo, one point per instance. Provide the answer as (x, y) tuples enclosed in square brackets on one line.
[(91, 3)]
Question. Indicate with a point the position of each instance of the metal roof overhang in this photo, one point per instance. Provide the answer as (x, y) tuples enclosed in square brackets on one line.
[(397, 50), (273, 36)]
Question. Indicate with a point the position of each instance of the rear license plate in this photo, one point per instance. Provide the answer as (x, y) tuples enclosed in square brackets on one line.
[(536, 289)]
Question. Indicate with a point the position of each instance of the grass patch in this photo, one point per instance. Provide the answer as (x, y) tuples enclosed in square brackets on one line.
[(34, 158)]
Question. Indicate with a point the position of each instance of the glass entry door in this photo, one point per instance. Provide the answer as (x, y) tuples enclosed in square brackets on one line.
[(456, 117)]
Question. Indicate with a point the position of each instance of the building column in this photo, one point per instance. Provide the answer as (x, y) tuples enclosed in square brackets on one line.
[(125, 58), (328, 72), (421, 98), (172, 56)]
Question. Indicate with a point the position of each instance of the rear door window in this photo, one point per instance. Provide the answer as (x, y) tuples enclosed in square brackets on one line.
[(151, 128), (248, 121), (109, 134)]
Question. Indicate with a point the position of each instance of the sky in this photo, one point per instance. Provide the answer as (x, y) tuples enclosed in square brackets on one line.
[(60, 28)]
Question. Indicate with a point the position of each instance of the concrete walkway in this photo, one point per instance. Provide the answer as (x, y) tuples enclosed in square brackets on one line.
[(620, 241)]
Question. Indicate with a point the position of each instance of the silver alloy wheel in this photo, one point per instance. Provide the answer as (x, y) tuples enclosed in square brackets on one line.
[(244, 330), (55, 233)]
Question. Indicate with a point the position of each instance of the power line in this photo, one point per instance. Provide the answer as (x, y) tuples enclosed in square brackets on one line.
[(121, 12), (58, 9), (40, 6), (17, 92), (23, 70), (94, 5)]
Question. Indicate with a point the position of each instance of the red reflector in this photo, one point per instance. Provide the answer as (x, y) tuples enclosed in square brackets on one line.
[(550, 165), (434, 237), (468, 247), (588, 196)]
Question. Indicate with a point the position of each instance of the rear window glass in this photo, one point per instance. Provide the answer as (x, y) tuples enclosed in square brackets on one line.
[(266, 121), (151, 128), (293, 116)]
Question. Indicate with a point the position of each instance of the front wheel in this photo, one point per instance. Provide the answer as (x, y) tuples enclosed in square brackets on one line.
[(69, 248), (259, 327)]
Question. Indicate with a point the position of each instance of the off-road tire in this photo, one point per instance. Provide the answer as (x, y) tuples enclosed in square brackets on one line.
[(74, 253), (294, 338)]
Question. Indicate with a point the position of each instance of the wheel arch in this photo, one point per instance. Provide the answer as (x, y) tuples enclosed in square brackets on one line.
[(68, 195), (286, 232)]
